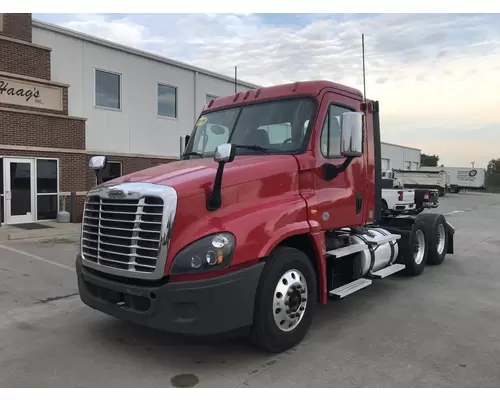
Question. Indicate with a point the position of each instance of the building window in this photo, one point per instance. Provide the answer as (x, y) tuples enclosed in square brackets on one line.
[(107, 89), (112, 171), (330, 135), (167, 101), (210, 97), (47, 188)]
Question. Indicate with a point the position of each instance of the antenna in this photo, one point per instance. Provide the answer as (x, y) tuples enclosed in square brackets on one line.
[(364, 74), (235, 79)]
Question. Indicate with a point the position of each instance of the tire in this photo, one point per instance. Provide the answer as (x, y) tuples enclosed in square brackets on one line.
[(437, 237), (285, 264), (414, 265)]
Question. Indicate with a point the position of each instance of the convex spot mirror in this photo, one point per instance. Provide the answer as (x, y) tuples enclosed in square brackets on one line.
[(351, 144), (225, 153), (98, 162)]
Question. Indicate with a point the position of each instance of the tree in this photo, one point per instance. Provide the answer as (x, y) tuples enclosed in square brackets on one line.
[(429, 161), (493, 167)]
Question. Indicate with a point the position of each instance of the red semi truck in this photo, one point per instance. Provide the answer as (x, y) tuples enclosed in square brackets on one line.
[(274, 208)]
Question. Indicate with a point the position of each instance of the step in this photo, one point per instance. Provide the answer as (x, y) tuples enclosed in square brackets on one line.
[(348, 250), (350, 288), (387, 271), (377, 241)]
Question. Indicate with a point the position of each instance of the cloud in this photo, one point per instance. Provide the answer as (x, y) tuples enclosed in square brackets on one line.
[(429, 71)]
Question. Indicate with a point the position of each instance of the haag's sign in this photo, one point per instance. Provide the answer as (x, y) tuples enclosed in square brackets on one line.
[(30, 94)]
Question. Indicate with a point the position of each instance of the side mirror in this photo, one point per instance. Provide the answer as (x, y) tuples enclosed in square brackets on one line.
[(225, 153), (351, 144), (98, 162)]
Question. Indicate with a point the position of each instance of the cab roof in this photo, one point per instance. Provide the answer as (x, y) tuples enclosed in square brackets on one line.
[(294, 89)]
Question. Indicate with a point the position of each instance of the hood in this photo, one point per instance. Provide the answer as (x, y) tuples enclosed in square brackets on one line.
[(189, 177)]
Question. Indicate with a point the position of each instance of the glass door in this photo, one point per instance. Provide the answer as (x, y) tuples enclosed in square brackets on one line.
[(19, 190)]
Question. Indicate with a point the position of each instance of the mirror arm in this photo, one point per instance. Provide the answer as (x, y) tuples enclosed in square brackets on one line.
[(98, 176), (332, 171), (214, 201)]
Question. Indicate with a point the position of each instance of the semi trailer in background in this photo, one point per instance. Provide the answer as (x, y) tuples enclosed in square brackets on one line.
[(462, 177), (423, 179)]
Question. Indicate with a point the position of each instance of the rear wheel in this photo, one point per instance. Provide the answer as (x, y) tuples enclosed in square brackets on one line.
[(414, 250), (437, 238), (285, 300)]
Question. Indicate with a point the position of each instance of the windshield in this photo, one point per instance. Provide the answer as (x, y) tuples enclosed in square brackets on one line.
[(278, 127)]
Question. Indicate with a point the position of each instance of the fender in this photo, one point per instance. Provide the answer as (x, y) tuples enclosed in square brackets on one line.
[(257, 225)]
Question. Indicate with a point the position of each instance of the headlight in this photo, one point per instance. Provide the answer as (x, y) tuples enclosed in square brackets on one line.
[(210, 253)]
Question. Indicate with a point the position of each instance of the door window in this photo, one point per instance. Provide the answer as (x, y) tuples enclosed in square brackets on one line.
[(330, 135), (47, 187), (20, 188)]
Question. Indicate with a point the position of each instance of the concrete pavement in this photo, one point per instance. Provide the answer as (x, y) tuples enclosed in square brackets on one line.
[(440, 329)]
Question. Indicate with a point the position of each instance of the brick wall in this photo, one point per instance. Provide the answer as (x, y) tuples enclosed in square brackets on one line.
[(37, 130), (24, 59), (17, 26)]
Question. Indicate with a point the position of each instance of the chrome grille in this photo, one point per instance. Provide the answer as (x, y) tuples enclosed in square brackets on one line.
[(123, 234)]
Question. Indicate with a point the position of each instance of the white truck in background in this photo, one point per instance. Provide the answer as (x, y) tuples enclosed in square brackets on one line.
[(422, 197), (421, 179), (462, 177), (398, 201), (395, 198)]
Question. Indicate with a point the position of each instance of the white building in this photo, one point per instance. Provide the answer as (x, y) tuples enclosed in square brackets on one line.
[(395, 156), (135, 103)]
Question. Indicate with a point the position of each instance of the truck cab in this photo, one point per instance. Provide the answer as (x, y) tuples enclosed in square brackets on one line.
[(274, 208)]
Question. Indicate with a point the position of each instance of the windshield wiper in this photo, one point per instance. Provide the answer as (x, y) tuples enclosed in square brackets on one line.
[(251, 147), (192, 153)]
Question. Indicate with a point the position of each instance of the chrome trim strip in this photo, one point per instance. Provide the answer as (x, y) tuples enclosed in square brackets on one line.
[(137, 191)]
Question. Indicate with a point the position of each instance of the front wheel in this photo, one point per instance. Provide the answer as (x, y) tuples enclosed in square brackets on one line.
[(285, 300)]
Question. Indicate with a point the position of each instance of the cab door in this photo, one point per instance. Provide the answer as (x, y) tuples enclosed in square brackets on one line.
[(341, 200)]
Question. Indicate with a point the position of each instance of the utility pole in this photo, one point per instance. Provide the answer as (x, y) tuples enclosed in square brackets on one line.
[(472, 163)]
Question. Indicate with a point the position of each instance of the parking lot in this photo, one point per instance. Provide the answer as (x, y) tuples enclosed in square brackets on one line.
[(441, 329)]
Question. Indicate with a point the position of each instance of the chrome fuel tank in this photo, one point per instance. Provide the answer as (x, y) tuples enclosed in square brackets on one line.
[(377, 257)]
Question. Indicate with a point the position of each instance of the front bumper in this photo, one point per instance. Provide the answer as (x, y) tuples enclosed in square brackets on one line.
[(204, 307)]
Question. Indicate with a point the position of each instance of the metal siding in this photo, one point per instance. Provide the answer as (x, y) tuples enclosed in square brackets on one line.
[(398, 155)]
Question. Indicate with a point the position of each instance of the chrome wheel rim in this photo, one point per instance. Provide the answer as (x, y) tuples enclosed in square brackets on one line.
[(419, 247), (441, 239), (290, 300)]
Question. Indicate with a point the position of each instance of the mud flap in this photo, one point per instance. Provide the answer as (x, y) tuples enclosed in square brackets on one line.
[(450, 231)]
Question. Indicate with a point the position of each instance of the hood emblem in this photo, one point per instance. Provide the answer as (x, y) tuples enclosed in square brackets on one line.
[(116, 194)]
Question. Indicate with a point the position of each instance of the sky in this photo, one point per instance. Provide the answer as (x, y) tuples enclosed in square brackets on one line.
[(437, 76)]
